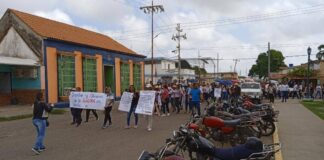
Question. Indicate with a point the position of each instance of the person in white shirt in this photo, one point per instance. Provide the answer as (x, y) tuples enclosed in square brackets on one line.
[(285, 90), (318, 91), (295, 91)]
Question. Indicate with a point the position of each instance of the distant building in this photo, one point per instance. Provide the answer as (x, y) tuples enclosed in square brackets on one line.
[(38, 54), (210, 77), (166, 70)]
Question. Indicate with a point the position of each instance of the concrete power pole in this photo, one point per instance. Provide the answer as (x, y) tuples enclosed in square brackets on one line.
[(177, 38), (151, 10), (269, 61)]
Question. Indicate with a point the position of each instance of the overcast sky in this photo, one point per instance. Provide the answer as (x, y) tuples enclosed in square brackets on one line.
[(232, 28)]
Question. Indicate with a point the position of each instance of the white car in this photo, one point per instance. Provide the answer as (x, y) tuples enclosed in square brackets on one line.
[(252, 89)]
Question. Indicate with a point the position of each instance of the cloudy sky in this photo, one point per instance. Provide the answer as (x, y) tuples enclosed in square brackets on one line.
[(235, 29)]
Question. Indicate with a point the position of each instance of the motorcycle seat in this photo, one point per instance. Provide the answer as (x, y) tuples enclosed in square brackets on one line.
[(233, 122)]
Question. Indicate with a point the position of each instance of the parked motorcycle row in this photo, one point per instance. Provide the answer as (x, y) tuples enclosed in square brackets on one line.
[(238, 123)]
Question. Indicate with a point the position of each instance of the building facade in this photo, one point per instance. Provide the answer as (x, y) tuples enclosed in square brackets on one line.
[(166, 71), (38, 54)]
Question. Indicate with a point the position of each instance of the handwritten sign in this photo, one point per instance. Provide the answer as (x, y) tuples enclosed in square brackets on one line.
[(217, 92), (146, 103), (88, 100), (126, 102)]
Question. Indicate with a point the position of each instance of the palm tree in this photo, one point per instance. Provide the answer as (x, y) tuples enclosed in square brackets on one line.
[(320, 53)]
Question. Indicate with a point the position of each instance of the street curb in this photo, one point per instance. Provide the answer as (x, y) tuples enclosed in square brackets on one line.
[(275, 136)]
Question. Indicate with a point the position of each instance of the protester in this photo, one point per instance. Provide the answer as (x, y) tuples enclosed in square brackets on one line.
[(88, 114), (133, 107), (271, 93), (78, 111), (40, 114), (195, 94), (108, 107), (165, 100), (217, 93), (284, 90), (73, 112), (171, 98), (318, 91), (157, 101), (188, 99), (176, 97), (224, 93), (149, 118), (323, 91)]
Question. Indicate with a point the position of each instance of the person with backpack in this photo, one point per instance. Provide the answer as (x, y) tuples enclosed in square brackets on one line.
[(40, 115), (165, 100)]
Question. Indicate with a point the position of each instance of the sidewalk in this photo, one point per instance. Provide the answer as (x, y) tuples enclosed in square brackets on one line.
[(300, 132), (15, 110)]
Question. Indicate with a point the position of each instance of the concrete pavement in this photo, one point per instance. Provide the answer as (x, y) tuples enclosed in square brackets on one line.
[(301, 132)]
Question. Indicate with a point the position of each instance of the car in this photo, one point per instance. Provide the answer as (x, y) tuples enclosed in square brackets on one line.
[(253, 90)]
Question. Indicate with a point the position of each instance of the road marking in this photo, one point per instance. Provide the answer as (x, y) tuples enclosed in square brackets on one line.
[(278, 155)]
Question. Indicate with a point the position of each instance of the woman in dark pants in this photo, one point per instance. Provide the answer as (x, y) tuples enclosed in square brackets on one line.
[(108, 107), (133, 107), (88, 114), (40, 112)]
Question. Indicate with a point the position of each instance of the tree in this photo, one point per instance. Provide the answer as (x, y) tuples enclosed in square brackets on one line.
[(200, 71), (300, 72), (261, 66), (320, 53)]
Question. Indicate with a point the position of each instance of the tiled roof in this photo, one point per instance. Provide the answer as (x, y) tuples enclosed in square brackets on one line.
[(60, 31)]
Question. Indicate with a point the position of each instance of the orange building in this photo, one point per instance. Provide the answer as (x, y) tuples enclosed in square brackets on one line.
[(38, 54)]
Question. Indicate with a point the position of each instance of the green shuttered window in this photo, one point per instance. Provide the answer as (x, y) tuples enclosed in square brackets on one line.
[(124, 76), (89, 67), (66, 74), (137, 77)]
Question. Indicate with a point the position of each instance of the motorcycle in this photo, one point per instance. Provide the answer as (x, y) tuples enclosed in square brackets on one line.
[(200, 148)]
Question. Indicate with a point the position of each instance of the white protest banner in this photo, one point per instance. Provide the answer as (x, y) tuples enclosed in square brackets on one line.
[(88, 100), (146, 103), (217, 92), (126, 102)]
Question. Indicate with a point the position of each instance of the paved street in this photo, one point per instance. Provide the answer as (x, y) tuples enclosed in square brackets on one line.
[(300, 132), (89, 141)]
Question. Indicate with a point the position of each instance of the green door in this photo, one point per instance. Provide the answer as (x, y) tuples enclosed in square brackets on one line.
[(109, 77)]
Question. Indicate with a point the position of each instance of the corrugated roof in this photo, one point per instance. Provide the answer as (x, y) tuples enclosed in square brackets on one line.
[(60, 31)]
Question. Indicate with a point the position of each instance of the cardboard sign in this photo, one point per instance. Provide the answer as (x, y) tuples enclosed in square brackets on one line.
[(217, 92), (88, 100), (146, 103), (126, 102)]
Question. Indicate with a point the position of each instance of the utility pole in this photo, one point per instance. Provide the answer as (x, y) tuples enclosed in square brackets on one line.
[(198, 66), (217, 63), (269, 61), (235, 60), (177, 38), (151, 10)]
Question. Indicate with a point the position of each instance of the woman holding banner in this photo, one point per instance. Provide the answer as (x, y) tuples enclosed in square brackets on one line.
[(133, 107), (108, 107)]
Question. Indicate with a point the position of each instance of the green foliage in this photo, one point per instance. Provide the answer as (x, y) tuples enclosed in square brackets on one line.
[(321, 47), (261, 66), (24, 116), (317, 107), (300, 72), (201, 70)]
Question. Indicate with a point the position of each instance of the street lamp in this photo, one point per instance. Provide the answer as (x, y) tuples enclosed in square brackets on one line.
[(309, 51)]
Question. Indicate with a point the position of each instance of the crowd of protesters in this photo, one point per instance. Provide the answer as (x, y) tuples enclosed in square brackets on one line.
[(293, 90)]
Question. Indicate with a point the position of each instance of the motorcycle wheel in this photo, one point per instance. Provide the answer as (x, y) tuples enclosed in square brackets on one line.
[(267, 128)]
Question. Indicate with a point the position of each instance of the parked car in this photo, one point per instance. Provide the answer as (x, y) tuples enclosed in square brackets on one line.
[(253, 90)]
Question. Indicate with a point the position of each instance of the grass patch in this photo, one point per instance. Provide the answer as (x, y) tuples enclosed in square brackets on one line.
[(58, 111), (24, 116), (317, 107)]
